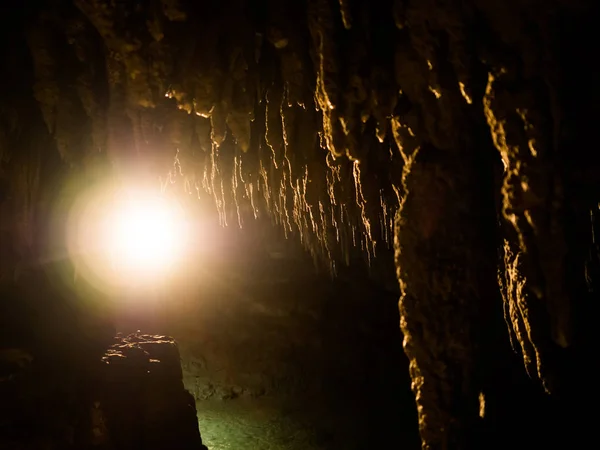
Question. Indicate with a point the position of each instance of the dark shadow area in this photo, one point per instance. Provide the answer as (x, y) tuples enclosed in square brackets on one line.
[(275, 355), (328, 155), (310, 360)]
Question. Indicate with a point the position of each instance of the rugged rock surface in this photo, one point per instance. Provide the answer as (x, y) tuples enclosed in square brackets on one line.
[(143, 400), (336, 118), (273, 336), (130, 398)]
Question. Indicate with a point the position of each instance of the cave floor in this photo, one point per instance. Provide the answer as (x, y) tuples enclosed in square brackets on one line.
[(257, 425)]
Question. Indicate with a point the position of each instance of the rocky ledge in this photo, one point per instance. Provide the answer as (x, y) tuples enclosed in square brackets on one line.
[(144, 404), (132, 398)]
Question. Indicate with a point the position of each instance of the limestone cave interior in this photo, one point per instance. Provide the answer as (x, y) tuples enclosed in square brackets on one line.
[(383, 225)]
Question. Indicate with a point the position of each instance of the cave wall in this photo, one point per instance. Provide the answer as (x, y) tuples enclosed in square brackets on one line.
[(257, 331), (335, 119)]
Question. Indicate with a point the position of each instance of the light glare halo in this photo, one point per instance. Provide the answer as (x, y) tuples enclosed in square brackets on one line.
[(145, 234), (121, 238)]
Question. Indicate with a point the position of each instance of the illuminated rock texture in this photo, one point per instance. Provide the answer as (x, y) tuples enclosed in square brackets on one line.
[(468, 124)]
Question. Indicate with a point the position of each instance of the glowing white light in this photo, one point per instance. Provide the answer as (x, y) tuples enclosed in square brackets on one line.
[(145, 234), (122, 237)]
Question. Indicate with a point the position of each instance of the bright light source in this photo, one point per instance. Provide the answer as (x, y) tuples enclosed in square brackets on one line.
[(120, 238), (145, 234)]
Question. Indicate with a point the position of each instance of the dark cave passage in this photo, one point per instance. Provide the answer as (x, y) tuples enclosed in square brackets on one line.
[(273, 364), (265, 352), (277, 356)]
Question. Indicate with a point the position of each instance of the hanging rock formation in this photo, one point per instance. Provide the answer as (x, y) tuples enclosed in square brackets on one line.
[(338, 119)]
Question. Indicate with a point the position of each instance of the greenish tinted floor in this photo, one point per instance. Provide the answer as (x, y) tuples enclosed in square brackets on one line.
[(256, 425)]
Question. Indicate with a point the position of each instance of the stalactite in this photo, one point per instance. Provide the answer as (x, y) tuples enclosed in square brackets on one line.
[(174, 10), (432, 226), (274, 125), (533, 205), (329, 116), (46, 89), (346, 10), (71, 131), (322, 28)]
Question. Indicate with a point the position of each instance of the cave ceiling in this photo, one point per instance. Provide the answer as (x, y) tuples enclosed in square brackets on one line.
[(448, 130)]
